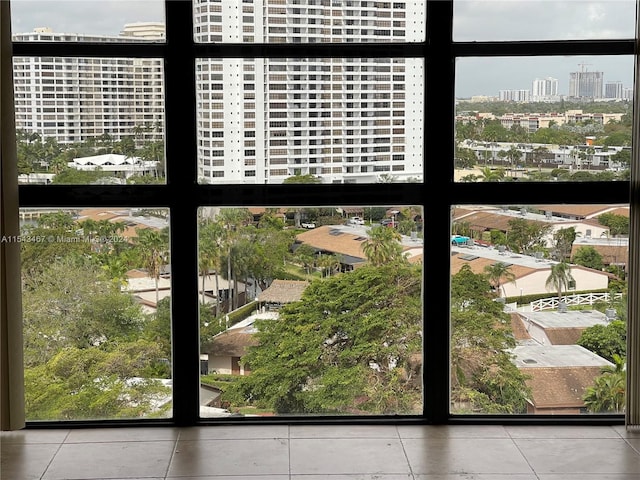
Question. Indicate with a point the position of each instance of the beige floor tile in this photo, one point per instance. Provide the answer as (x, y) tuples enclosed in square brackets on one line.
[(235, 477), (230, 457), (122, 434), (25, 461), (215, 432), (34, 436), (343, 431), (452, 431), (110, 460), (465, 455), (579, 455), (355, 476), (340, 456), (561, 431), (477, 476)]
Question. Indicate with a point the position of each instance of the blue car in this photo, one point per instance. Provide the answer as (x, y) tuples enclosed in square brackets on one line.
[(459, 240)]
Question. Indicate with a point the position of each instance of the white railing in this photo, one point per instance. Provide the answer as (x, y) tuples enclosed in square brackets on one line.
[(569, 300)]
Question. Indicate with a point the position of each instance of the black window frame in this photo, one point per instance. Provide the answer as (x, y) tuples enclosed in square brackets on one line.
[(437, 194)]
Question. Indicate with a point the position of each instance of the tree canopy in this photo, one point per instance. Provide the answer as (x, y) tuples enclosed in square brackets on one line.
[(352, 344)]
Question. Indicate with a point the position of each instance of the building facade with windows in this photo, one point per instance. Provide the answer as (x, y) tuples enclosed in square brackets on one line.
[(74, 99), (586, 84), (344, 120)]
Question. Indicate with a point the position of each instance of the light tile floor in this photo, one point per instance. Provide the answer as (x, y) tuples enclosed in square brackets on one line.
[(281, 452)]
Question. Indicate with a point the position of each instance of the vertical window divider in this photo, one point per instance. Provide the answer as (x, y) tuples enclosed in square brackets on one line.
[(439, 104), (632, 411), (181, 194)]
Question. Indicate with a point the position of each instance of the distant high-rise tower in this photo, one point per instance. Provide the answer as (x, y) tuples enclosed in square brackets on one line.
[(544, 87), (613, 90), (513, 95), (586, 84)]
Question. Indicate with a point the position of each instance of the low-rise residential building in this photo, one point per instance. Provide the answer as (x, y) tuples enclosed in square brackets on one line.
[(530, 273), (558, 376)]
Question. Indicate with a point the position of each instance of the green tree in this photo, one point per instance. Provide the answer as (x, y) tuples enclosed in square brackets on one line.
[(525, 236), (231, 219), (90, 383), (497, 272), (608, 393), (153, 246), (617, 224), (563, 242), (71, 176), (71, 304), (488, 174), (157, 329), (306, 255), (302, 179), (559, 279), (588, 256), (382, 246), (351, 345), (465, 157), (606, 340), (483, 377)]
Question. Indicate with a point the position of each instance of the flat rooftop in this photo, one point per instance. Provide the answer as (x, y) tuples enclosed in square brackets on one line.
[(538, 356), (568, 319), (510, 258)]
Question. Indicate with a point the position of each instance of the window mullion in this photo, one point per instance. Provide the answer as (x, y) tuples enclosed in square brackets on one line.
[(181, 168)]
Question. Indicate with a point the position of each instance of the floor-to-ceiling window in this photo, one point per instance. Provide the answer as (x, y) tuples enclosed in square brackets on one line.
[(269, 189)]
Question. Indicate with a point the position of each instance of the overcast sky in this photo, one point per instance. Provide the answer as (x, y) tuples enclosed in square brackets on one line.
[(473, 20)]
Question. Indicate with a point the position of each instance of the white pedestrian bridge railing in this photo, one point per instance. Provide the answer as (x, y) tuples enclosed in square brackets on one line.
[(551, 303)]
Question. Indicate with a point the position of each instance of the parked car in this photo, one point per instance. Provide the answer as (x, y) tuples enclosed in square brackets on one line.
[(460, 240), (388, 222), (356, 221), (308, 225)]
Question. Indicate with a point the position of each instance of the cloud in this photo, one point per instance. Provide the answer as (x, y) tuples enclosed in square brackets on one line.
[(493, 20), (103, 17)]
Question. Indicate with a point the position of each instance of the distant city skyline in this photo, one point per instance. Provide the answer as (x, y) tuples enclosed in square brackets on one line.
[(474, 20), (487, 76)]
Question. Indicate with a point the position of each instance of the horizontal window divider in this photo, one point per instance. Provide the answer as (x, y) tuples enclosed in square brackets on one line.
[(218, 195), (89, 49), (506, 193), (223, 50), (305, 194), (543, 47), (310, 50)]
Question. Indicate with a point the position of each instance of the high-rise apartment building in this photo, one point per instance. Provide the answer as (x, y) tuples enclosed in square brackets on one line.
[(544, 89), (614, 90), (344, 120), (514, 95), (585, 84), (73, 99)]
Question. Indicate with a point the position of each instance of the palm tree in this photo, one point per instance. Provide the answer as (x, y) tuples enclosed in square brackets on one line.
[(490, 175), (208, 252), (154, 250), (382, 246), (559, 279), (231, 219), (607, 395), (497, 272)]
